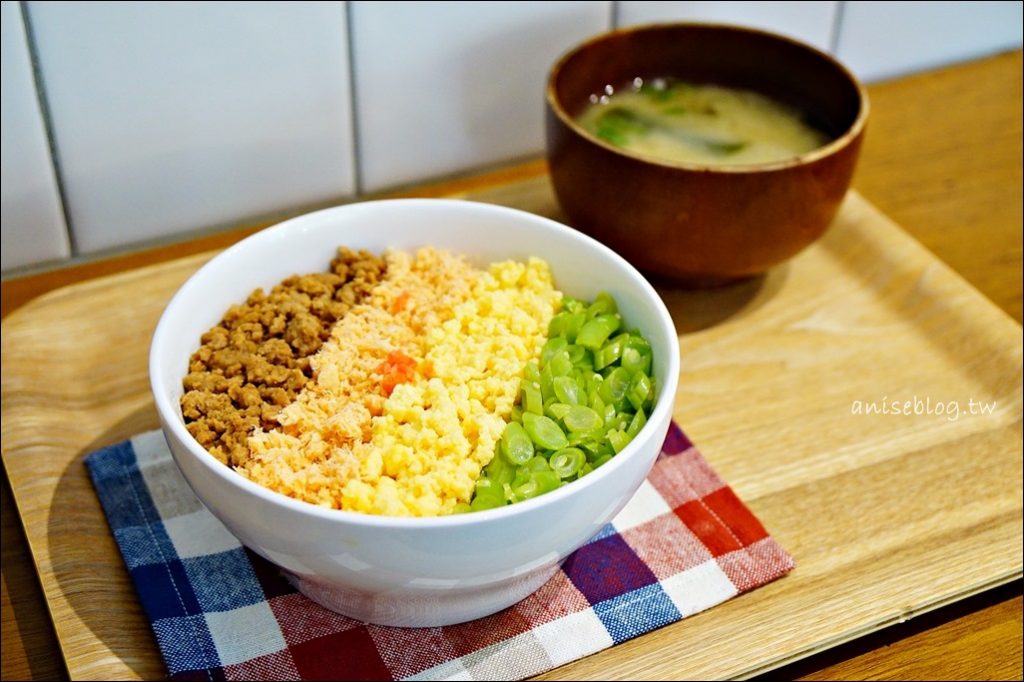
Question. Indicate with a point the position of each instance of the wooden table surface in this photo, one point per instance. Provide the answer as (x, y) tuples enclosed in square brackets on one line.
[(943, 159)]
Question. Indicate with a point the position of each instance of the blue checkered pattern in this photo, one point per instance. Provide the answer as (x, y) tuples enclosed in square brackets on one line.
[(220, 612)]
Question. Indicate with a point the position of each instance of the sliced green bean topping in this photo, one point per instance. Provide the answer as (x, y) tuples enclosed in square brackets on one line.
[(595, 332), (499, 471), (567, 462), (538, 463), (609, 353), (603, 304), (541, 482), (586, 397), (544, 432), (639, 389), (574, 325), (636, 424), (557, 411), (578, 355), (633, 361), (516, 445), (551, 347), (487, 497), (615, 385), (618, 440), (567, 390), (557, 325), (582, 418), (532, 372), (532, 399), (561, 364), (547, 388), (608, 413)]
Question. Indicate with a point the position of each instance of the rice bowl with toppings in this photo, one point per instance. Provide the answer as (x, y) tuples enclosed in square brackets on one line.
[(403, 567)]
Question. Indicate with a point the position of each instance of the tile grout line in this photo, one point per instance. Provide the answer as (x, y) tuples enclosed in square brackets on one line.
[(613, 15), (44, 111), (837, 24), (357, 152)]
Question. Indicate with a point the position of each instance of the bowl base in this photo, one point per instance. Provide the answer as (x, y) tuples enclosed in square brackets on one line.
[(423, 607)]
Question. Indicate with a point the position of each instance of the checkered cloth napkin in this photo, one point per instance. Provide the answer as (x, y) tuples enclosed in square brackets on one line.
[(684, 543)]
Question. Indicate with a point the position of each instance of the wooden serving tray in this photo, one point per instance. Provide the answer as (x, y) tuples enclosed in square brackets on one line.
[(790, 387)]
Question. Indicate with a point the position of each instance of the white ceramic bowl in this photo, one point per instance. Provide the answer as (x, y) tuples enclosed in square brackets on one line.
[(411, 571)]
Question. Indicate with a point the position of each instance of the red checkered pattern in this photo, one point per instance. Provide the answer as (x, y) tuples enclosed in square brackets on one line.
[(684, 543)]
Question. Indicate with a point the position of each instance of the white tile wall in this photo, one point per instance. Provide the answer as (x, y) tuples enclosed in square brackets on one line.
[(446, 86), (31, 216), (811, 21), (174, 116), (884, 39)]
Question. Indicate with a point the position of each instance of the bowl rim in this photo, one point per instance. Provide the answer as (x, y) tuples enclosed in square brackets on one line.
[(851, 133), (170, 413)]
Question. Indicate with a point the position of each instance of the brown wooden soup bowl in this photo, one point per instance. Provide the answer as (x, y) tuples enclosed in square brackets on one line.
[(692, 222)]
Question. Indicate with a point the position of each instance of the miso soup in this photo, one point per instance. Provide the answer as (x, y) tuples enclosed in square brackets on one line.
[(699, 123)]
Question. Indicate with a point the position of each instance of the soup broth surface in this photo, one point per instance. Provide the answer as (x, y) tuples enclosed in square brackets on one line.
[(699, 123)]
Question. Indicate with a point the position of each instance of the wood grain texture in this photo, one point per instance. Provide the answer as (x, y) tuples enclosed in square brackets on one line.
[(887, 516), (29, 644), (931, 657), (942, 158), (942, 645)]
